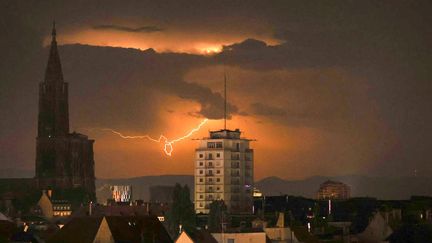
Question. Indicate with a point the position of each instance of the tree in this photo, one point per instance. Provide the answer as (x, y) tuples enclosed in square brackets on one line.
[(412, 233), (217, 216), (181, 212)]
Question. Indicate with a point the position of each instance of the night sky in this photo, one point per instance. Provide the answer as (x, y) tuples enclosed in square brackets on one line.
[(326, 88)]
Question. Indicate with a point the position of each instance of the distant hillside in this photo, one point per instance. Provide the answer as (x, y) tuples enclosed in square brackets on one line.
[(361, 186)]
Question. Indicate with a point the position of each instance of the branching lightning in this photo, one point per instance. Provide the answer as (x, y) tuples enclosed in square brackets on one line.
[(168, 144)]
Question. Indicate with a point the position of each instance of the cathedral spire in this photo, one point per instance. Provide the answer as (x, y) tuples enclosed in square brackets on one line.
[(53, 71), (54, 32)]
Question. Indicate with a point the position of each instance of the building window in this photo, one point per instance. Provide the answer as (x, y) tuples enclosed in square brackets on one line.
[(210, 156), (200, 172), (201, 164), (210, 164), (231, 241), (219, 145), (218, 172), (210, 179), (201, 155), (201, 196), (200, 179), (218, 179), (217, 155), (211, 145), (217, 188)]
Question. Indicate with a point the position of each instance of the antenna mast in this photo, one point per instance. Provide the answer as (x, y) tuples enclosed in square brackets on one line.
[(225, 101)]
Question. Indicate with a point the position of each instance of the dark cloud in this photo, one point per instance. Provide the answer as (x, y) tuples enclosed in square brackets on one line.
[(143, 29), (267, 110), (383, 47)]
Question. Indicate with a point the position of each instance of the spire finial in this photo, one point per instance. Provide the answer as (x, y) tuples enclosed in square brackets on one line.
[(54, 33)]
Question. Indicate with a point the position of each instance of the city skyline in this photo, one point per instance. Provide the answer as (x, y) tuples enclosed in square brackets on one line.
[(322, 91)]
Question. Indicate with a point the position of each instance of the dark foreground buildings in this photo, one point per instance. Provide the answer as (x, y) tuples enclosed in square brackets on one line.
[(63, 160)]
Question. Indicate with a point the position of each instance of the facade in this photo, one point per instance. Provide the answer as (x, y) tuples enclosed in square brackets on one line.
[(122, 194), (251, 237), (102, 229), (63, 160), (52, 208), (224, 171), (334, 190)]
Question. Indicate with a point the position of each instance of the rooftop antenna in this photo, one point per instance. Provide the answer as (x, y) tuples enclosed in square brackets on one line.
[(225, 101)]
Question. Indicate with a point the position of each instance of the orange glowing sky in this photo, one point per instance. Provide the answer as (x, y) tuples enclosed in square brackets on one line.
[(325, 89)]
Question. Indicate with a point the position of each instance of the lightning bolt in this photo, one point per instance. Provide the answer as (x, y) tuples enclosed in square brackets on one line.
[(168, 144)]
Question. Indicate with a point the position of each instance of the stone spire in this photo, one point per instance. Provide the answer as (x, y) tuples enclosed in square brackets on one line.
[(53, 71)]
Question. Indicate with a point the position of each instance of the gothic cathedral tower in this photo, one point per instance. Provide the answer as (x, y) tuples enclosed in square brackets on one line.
[(63, 160)]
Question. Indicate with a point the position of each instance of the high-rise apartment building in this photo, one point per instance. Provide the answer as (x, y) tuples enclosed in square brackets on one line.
[(333, 190), (224, 171)]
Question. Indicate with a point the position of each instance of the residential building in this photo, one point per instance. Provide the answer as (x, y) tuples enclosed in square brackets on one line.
[(110, 229), (199, 236), (224, 171), (240, 237), (54, 208), (333, 190)]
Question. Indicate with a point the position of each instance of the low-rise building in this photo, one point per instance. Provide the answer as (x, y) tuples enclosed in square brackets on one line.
[(54, 208), (110, 229), (199, 236)]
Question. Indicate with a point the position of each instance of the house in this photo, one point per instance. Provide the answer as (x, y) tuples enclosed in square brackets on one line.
[(54, 208), (378, 230), (281, 233), (239, 237), (7, 227), (199, 236), (110, 229)]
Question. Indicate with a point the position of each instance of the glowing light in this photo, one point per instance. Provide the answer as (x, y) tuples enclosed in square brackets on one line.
[(168, 144)]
